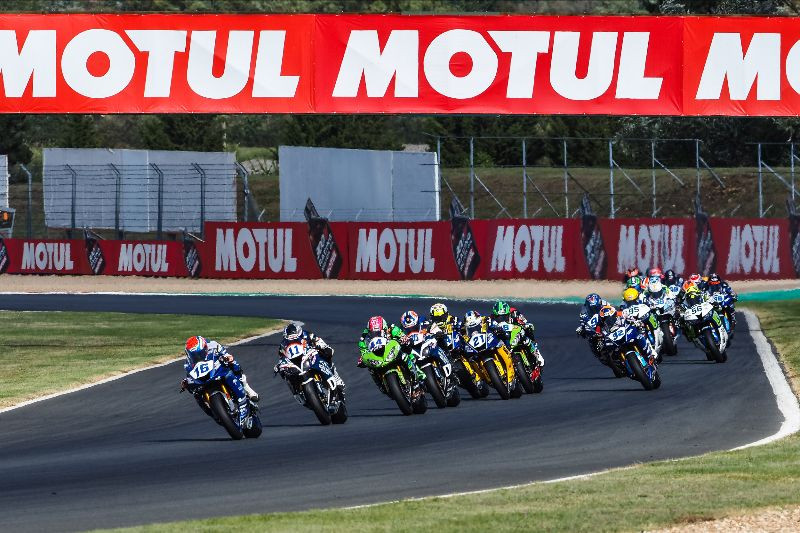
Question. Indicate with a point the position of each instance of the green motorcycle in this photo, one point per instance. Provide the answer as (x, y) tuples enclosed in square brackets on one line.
[(526, 364), (385, 359)]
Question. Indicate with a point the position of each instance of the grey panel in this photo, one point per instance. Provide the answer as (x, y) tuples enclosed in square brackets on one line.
[(368, 185), (3, 181), (99, 176)]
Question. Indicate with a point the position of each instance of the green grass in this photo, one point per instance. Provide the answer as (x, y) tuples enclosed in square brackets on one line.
[(45, 352), (632, 499)]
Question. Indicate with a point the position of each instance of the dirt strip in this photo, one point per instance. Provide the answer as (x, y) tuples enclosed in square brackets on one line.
[(771, 521), (511, 289)]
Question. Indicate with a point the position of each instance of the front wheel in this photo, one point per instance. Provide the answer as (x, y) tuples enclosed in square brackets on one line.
[(454, 399), (498, 384), (255, 429), (340, 416), (669, 347), (313, 401), (433, 387), (712, 350), (396, 392), (638, 371), (523, 376), (220, 409)]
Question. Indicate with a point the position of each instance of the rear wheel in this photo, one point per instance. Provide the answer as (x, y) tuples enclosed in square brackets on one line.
[(396, 392), (712, 350), (523, 376), (220, 409), (313, 401), (669, 347), (497, 382), (638, 370), (420, 405), (433, 387)]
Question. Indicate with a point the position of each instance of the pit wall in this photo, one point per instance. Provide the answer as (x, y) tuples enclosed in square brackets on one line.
[(553, 249)]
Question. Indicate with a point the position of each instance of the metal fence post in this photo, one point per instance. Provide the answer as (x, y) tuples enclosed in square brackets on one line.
[(472, 177), (202, 173), (611, 177), (697, 163), (653, 164), (524, 181), (566, 181), (29, 211), (791, 158), (439, 175), (117, 197), (160, 175), (760, 177), (74, 196)]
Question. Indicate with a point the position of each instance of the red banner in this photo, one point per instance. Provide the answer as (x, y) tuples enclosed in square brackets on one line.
[(752, 248), (401, 250), (667, 243), (258, 250), (133, 258), (531, 249), (45, 256), (399, 64)]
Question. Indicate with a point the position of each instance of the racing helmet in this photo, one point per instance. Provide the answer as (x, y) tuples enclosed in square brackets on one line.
[(196, 349), (693, 298), (501, 310), (631, 272), (608, 315), (630, 295), (688, 284), (695, 278), (376, 325), (692, 289), (655, 286), (634, 282), (593, 302), (439, 313), (655, 272), (670, 278), (292, 332), (714, 279), (409, 320), (472, 319)]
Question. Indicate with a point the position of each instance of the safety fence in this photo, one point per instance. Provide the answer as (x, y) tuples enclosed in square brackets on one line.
[(586, 248)]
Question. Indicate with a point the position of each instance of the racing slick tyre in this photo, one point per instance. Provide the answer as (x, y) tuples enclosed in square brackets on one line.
[(497, 382), (220, 410), (313, 401), (711, 347), (433, 387), (255, 429), (396, 392), (340, 416), (657, 380), (420, 405), (484, 389), (517, 391), (619, 372), (669, 347), (523, 377), (638, 370), (455, 398)]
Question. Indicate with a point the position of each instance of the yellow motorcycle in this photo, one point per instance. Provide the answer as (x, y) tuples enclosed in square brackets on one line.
[(492, 361)]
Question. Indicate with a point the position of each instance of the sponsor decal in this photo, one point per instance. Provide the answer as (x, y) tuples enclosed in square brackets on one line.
[(323, 243), (254, 249), (94, 254), (592, 242), (753, 249), (462, 240), (3, 256), (528, 248), (191, 258), (47, 256), (395, 250), (647, 245)]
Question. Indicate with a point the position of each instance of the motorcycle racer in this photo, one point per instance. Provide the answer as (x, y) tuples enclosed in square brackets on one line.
[(198, 349), (294, 333), (671, 279), (378, 327), (503, 312), (590, 320), (630, 296), (611, 319)]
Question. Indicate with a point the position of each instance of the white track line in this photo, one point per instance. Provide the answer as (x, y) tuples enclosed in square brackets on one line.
[(787, 401), (126, 374)]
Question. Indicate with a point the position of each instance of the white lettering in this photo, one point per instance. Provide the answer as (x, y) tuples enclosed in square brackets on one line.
[(363, 58), (199, 73), (121, 61), (437, 64), (727, 61), (36, 60)]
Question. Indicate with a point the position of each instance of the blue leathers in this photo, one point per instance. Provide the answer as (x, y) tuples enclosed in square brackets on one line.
[(234, 378)]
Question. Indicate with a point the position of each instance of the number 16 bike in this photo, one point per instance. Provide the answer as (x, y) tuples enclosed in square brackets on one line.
[(215, 398), (313, 383)]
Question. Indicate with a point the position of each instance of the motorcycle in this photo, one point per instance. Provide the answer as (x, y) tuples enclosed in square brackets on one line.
[(439, 379), (708, 330), (493, 363), (217, 401), (663, 308), (386, 359), (724, 304), (652, 327), (313, 383), (620, 344), (523, 355), (464, 369)]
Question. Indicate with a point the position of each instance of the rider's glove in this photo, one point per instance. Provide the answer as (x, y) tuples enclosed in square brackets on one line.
[(404, 340), (579, 331), (184, 384), (227, 358), (360, 363)]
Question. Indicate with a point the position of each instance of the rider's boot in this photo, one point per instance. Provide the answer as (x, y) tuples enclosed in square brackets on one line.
[(253, 395)]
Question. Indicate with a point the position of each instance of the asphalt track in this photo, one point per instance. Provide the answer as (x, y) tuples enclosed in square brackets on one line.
[(134, 451)]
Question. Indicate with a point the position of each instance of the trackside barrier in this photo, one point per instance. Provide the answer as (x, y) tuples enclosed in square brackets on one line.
[(452, 250)]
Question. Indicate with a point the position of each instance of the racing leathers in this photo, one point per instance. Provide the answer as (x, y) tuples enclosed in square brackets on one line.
[(589, 327), (641, 341), (235, 379), (310, 340), (516, 318), (389, 331)]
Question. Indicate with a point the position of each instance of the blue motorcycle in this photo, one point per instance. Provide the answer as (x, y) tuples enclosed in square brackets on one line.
[(725, 307), (314, 383), (220, 404), (620, 344)]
